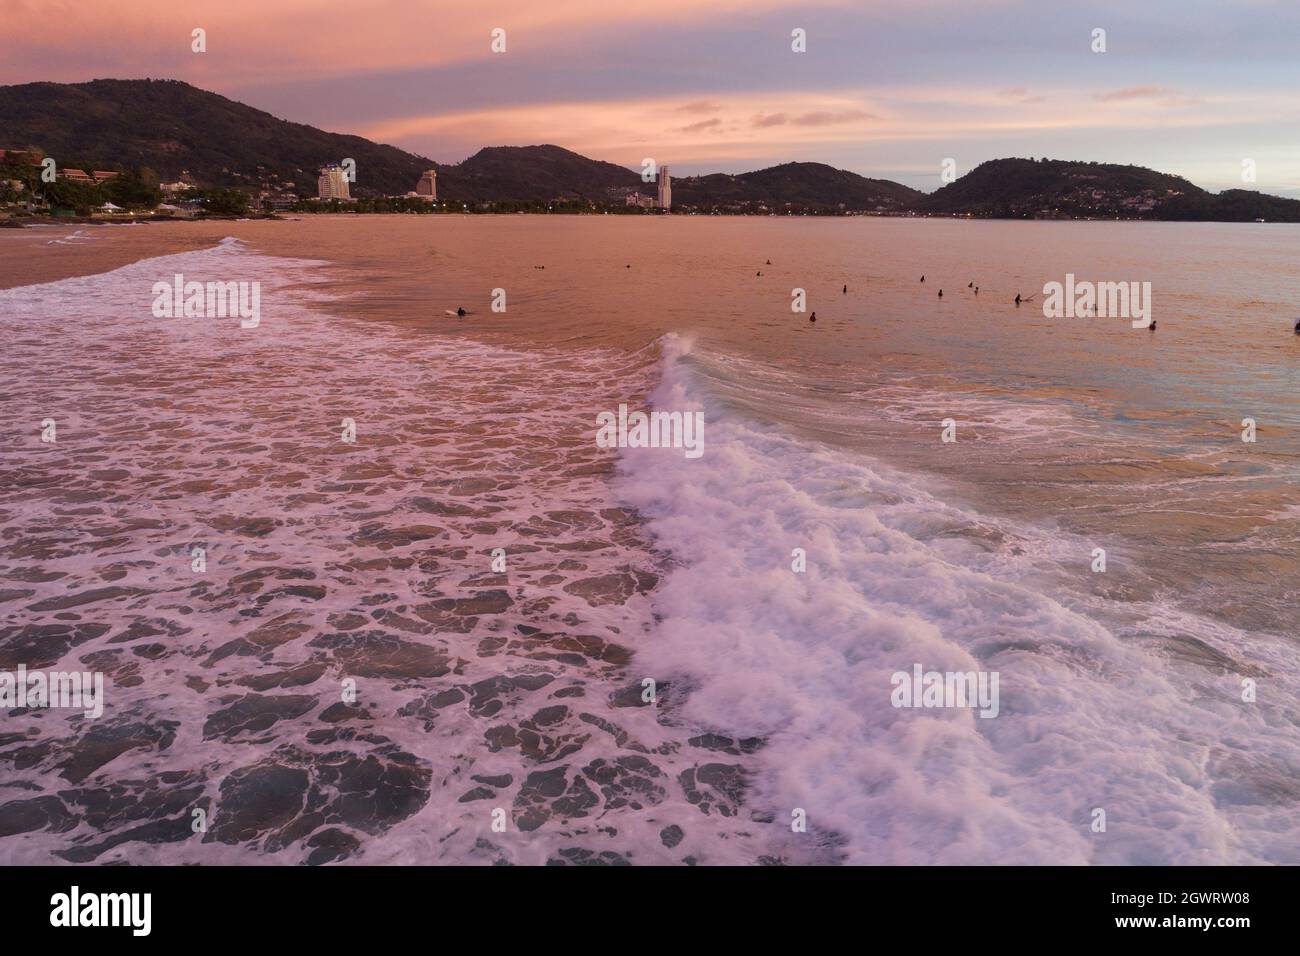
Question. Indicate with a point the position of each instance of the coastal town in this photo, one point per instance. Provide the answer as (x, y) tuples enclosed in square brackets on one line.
[(33, 184), (212, 183)]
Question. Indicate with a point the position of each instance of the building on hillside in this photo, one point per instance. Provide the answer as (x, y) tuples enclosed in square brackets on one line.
[(279, 201), (22, 157), (427, 187), (665, 189), (92, 178), (635, 198), (333, 183), (176, 212)]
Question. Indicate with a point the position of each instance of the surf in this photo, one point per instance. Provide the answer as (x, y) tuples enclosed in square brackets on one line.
[(1089, 718)]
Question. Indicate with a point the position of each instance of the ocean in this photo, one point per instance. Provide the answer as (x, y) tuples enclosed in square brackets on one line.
[(365, 587)]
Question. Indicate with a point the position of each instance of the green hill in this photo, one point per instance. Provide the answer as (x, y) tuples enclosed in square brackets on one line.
[(172, 127), (806, 185), (534, 173), (1053, 188)]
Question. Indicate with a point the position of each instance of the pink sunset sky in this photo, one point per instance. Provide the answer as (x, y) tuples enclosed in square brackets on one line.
[(886, 88)]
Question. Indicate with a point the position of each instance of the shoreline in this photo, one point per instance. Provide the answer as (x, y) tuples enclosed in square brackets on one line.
[(25, 222), (74, 260), (22, 222)]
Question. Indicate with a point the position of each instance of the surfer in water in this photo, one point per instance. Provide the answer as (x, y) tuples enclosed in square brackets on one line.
[(846, 290), (1152, 326), (1017, 298), (922, 278), (941, 293), (813, 317), (461, 311), (1297, 326)]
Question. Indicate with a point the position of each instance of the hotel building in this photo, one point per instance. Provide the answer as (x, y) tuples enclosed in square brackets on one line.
[(333, 183), (427, 187)]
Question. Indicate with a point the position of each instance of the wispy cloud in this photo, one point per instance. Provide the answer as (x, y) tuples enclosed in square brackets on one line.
[(1148, 94), (1132, 93), (701, 126), (817, 118), (826, 118), (1019, 94)]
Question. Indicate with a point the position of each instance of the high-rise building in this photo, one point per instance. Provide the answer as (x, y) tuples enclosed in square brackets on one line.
[(665, 189), (333, 183), (428, 185)]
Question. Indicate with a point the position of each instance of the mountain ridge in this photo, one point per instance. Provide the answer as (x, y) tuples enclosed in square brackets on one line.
[(1016, 188), (175, 129)]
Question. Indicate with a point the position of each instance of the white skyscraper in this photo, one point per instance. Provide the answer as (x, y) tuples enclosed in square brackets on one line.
[(333, 183), (665, 189)]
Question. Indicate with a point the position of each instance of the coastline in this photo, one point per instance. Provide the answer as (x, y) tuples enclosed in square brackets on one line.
[(177, 235)]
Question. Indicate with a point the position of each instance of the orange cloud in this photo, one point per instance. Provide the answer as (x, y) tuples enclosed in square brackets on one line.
[(784, 126), (702, 125), (259, 41), (1131, 93), (699, 106)]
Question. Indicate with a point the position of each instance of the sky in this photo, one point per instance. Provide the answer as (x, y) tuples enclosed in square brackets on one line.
[(885, 88)]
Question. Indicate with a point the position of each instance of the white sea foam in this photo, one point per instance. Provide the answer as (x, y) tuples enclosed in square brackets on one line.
[(193, 431), (1186, 772), (1100, 705)]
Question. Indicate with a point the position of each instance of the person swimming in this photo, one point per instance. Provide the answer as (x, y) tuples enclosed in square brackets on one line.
[(971, 284), (977, 290), (768, 263)]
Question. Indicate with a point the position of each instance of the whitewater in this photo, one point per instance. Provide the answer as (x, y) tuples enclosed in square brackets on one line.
[(355, 678)]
